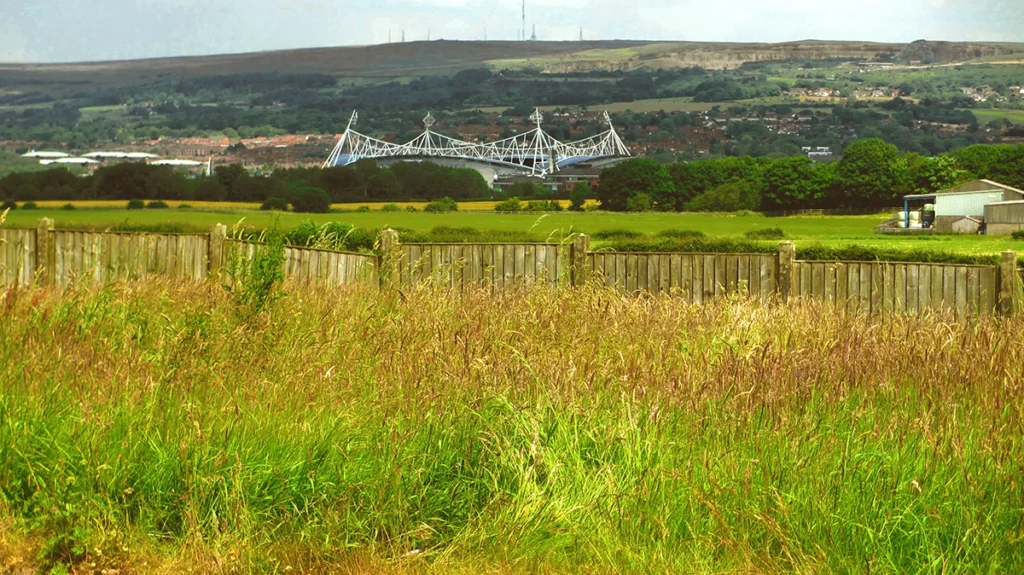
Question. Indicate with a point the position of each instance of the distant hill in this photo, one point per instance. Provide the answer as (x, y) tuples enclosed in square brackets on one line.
[(414, 59)]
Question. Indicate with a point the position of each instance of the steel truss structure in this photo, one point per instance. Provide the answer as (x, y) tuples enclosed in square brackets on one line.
[(534, 152)]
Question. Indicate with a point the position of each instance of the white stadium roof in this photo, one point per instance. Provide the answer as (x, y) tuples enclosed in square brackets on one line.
[(35, 154), (105, 155), (176, 163), (140, 155), (79, 161)]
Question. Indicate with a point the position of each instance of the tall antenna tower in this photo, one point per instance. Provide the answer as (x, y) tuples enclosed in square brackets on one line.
[(522, 35), (403, 36), (533, 37), (581, 33)]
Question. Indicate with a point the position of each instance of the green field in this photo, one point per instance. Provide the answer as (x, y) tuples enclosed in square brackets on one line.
[(1015, 116), (828, 230)]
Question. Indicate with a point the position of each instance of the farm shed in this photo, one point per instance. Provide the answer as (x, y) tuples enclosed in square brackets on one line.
[(967, 200), (1004, 218)]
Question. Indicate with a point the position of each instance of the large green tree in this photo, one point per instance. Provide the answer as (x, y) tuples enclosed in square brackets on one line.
[(638, 176), (797, 183), (871, 173)]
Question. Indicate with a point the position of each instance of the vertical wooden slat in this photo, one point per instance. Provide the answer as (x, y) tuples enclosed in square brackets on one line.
[(989, 289), (818, 280), (896, 288), (732, 273), (721, 272), (520, 263), (936, 287), (697, 279), (961, 284), (618, 269), (913, 278), (686, 276), (631, 271), (654, 273), (973, 291), (949, 287), (675, 275), (853, 287), (865, 287), (642, 275), (877, 288), (709, 277), (664, 273)]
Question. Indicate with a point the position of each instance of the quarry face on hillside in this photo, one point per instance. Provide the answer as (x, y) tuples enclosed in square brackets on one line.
[(720, 56)]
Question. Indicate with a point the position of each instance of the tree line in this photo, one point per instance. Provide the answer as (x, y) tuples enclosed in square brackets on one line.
[(871, 173), (362, 181)]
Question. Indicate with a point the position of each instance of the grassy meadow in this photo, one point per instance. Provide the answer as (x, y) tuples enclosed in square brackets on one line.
[(832, 231), (167, 428)]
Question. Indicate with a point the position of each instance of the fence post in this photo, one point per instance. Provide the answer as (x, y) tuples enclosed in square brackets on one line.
[(787, 253), (218, 235), (390, 255), (1009, 286), (580, 247), (44, 256)]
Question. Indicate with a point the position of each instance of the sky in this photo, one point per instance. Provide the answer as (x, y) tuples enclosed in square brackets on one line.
[(90, 30)]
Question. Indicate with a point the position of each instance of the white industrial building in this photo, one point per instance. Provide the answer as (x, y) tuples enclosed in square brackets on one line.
[(962, 208)]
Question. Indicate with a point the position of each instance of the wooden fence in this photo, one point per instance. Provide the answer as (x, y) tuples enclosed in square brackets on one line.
[(485, 264), (308, 265), (17, 257), (696, 277), (900, 287), (107, 257), (63, 258)]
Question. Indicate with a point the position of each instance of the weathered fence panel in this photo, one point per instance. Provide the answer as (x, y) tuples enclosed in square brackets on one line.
[(65, 258), (308, 265), (497, 265), (106, 257), (17, 257), (695, 277), (910, 288)]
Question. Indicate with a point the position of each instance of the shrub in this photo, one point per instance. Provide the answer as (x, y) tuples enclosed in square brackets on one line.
[(543, 206), (29, 206), (275, 204), (303, 234), (184, 207), (68, 207), (257, 281), (617, 233), (135, 205), (639, 203), (578, 196), (681, 234), (509, 205), (8, 205), (156, 205), (445, 204), (311, 201), (765, 234), (1017, 235), (729, 197), (390, 208), (362, 209), (411, 209)]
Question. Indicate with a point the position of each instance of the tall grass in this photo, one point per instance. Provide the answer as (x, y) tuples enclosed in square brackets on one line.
[(151, 428)]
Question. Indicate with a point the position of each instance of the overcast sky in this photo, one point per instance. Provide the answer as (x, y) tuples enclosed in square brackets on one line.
[(79, 30)]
